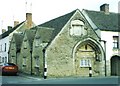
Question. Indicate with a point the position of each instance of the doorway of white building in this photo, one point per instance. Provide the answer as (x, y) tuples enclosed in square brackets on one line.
[(115, 65)]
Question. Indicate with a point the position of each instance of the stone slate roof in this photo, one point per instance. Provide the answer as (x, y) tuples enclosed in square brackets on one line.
[(30, 36), (105, 22), (5, 34), (45, 34), (18, 40), (58, 23)]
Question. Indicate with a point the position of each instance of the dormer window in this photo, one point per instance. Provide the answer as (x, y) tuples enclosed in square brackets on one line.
[(37, 41), (77, 28)]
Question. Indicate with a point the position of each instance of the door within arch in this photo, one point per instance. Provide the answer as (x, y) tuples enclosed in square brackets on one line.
[(115, 66), (87, 53)]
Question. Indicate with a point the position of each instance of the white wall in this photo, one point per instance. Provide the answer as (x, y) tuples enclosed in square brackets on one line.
[(3, 53), (108, 37)]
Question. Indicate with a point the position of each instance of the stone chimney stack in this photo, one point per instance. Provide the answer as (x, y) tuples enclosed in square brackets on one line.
[(16, 23), (105, 8), (29, 20), (9, 28), (3, 30)]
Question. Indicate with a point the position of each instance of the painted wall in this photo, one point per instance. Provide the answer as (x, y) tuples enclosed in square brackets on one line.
[(4, 43)]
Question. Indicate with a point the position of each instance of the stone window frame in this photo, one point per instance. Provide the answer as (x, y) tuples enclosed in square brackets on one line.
[(37, 61), (37, 41), (12, 45), (85, 62), (80, 30), (24, 63), (25, 44)]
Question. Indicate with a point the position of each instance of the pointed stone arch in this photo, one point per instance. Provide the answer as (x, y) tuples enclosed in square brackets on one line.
[(88, 52)]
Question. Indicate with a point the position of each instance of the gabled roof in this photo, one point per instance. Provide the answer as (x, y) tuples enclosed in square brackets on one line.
[(30, 36), (18, 40), (105, 22), (58, 23), (5, 34), (45, 34)]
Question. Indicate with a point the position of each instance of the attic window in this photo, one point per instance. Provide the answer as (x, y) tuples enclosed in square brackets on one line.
[(37, 42), (77, 28)]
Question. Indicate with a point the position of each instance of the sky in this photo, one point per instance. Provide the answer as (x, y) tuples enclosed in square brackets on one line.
[(45, 10)]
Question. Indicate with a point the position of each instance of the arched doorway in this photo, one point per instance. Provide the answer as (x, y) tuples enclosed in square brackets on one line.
[(88, 53), (115, 65)]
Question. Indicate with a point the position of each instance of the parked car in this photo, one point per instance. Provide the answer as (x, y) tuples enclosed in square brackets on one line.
[(8, 69)]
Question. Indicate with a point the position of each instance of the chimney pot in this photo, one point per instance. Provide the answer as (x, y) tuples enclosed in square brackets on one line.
[(16, 23), (3, 30), (105, 8), (29, 20), (9, 28)]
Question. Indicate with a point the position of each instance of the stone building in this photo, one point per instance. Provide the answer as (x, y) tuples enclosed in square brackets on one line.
[(15, 46), (74, 47), (72, 43), (67, 44), (42, 37), (6, 36), (25, 57)]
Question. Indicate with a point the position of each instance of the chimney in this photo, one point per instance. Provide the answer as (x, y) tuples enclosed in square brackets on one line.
[(3, 30), (29, 20), (9, 28), (16, 23), (105, 8)]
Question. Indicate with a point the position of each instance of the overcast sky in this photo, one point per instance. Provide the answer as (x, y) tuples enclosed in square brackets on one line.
[(44, 10)]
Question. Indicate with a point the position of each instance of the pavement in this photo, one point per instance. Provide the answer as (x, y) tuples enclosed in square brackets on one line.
[(40, 78), (29, 76)]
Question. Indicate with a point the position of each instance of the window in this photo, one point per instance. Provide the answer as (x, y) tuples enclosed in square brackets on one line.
[(85, 62), (25, 44), (115, 42), (5, 59), (24, 61), (37, 62), (77, 28), (5, 47), (12, 59), (1, 48), (0, 59), (37, 42)]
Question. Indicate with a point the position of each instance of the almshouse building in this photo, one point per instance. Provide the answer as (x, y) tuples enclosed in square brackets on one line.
[(67, 44), (70, 44), (25, 57), (15, 46)]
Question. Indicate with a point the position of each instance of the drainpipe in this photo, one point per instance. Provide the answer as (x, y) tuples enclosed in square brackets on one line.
[(31, 61), (104, 55)]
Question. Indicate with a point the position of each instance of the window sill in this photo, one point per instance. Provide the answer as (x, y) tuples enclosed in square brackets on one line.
[(84, 66), (36, 66), (115, 49), (25, 48), (24, 65)]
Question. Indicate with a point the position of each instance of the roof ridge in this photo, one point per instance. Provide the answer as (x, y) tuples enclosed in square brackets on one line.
[(58, 17), (99, 11)]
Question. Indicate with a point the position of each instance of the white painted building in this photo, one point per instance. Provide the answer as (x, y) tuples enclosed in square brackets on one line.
[(4, 49), (6, 36), (106, 26)]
